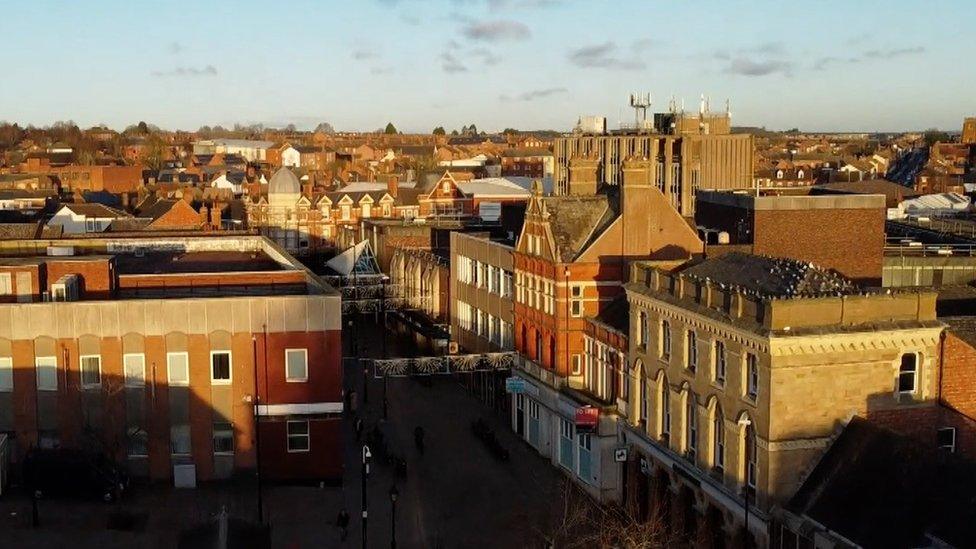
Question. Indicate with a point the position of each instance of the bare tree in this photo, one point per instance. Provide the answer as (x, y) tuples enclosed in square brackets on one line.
[(581, 523)]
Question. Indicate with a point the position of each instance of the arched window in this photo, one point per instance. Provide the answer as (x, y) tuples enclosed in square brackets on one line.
[(718, 439), (644, 393), (751, 455), (538, 346), (752, 376), (665, 339), (665, 408), (691, 425), (692, 351), (643, 334)]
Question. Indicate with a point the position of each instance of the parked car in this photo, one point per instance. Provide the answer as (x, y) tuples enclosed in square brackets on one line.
[(69, 472)]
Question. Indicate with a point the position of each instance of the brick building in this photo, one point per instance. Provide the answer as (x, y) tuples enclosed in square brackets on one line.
[(969, 131), (524, 162), (155, 351), (570, 263), (845, 233)]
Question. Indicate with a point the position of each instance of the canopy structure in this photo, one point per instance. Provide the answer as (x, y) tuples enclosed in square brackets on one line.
[(357, 260)]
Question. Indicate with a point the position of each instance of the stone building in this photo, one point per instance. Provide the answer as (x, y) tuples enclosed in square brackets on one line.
[(742, 370), (171, 351), (680, 165)]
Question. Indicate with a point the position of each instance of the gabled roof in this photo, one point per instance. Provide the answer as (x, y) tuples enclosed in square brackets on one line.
[(576, 220), (95, 210)]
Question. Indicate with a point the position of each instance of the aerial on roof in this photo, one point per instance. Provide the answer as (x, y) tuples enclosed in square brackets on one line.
[(771, 277)]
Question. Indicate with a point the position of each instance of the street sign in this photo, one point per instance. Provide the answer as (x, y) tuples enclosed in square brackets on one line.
[(620, 455), (587, 418), (514, 385)]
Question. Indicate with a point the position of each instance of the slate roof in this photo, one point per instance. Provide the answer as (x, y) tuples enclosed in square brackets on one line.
[(576, 220), (881, 489), (95, 210), (893, 191), (616, 315), (963, 327), (772, 277)]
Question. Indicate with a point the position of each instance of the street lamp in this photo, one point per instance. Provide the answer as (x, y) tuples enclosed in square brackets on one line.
[(393, 498), (365, 474)]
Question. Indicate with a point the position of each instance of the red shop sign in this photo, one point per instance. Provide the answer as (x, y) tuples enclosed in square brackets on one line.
[(586, 418)]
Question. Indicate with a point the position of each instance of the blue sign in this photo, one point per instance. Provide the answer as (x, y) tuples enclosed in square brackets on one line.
[(515, 385)]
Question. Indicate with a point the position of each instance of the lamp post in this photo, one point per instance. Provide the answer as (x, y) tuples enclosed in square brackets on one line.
[(393, 499), (366, 456), (745, 423), (383, 335), (257, 430)]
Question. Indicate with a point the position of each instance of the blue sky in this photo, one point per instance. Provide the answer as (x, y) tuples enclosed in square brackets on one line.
[(815, 64)]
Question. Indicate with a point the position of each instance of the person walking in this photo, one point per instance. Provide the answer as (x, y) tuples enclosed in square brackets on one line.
[(359, 428), (342, 523)]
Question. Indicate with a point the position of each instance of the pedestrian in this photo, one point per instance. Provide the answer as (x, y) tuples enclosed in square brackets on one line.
[(342, 522), (353, 401), (359, 428)]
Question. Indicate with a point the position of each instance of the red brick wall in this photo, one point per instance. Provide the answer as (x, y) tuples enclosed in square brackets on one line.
[(181, 215), (959, 375), (848, 241), (96, 276)]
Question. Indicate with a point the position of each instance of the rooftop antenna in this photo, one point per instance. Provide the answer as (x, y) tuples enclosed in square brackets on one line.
[(672, 106), (728, 108), (640, 102), (701, 106)]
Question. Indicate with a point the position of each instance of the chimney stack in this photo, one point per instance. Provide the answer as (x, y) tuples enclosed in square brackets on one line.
[(392, 186), (636, 206), (582, 176), (215, 215)]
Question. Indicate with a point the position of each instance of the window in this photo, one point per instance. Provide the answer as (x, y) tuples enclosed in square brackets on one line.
[(946, 439), (533, 423), (135, 370), (137, 442), (718, 441), (47, 373), (577, 366), (298, 438), (220, 367), (665, 409), (752, 376), (577, 304), (6, 374), (178, 369), (6, 286), (643, 335), (691, 426), (91, 371), (367, 210), (223, 438), (566, 443), (91, 225), (584, 444), (179, 440), (344, 211), (296, 365), (751, 457), (692, 357), (908, 373), (645, 396), (665, 339), (719, 374)]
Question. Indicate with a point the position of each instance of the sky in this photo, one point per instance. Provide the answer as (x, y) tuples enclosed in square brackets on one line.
[(820, 65)]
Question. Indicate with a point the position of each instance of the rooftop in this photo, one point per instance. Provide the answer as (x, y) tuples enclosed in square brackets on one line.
[(576, 220), (772, 277), (196, 262), (748, 200)]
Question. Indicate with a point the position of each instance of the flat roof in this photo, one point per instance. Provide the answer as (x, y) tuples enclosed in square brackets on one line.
[(195, 262), (748, 200)]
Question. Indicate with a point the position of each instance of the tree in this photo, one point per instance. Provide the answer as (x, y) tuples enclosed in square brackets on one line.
[(933, 136), (390, 129), (155, 155), (454, 132), (579, 522), (439, 130), (510, 131), (143, 127), (325, 127)]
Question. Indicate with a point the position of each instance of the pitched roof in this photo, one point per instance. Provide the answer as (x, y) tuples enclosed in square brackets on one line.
[(881, 489), (771, 277), (95, 210), (575, 220), (493, 186)]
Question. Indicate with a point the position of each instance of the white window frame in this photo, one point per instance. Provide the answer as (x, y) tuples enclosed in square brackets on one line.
[(307, 435), (169, 376), (302, 379), (53, 366), (230, 368), (914, 373), (6, 284), (752, 377), (81, 371), (125, 371)]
